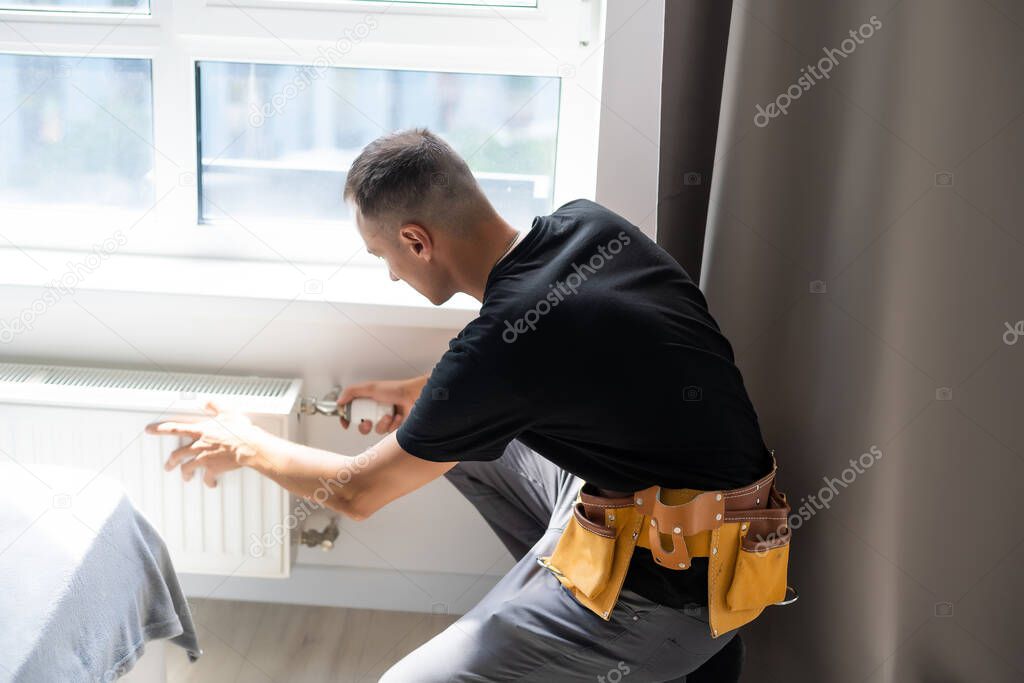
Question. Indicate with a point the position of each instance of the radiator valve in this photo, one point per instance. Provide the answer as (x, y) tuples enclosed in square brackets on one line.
[(356, 411), (323, 539)]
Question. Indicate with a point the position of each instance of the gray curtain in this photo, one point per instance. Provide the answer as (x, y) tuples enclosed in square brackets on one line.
[(863, 252), (696, 38)]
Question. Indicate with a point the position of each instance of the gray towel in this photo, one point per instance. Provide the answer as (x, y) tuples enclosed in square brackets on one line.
[(85, 580)]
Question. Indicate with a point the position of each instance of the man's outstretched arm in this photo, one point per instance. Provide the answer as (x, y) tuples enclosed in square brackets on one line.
[(356, 486)]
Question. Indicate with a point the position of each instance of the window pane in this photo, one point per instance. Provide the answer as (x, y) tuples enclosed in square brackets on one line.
[(277, 141), (117, 6), (75, 131)]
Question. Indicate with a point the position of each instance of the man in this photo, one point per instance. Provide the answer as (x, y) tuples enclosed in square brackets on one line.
[(594, 359)]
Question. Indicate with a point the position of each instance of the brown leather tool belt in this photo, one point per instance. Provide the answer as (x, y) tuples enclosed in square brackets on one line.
[(743, 532)]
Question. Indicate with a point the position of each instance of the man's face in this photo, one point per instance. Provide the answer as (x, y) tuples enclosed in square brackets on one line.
[(408, 253)]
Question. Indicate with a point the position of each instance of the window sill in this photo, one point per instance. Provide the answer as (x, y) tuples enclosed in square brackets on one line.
[(363, 293)]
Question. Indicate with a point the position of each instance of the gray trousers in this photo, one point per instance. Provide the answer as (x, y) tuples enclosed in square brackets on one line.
[(530, 628)]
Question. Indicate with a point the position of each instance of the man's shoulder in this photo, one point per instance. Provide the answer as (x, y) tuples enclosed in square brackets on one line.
[(587, 208), (584, 224)]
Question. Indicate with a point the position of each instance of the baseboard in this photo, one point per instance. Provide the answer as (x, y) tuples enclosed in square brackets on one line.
[(383, 589)]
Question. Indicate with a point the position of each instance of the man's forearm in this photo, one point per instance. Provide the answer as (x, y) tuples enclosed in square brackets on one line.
[(356, 486), (329, 479)]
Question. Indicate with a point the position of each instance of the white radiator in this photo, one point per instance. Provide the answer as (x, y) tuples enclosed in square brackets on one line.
[(94, 419)]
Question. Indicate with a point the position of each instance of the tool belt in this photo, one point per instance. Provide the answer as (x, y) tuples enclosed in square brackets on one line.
[(743, 532)]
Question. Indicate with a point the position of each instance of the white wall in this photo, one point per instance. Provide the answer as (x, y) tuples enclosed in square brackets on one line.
[(627, 158)]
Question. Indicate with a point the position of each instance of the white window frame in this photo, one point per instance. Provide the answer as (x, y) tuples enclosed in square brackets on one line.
[(559, 39)]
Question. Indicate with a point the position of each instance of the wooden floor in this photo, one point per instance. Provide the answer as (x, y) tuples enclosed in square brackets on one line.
[(259, 642)]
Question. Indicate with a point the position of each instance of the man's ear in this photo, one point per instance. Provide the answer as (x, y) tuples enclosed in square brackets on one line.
[(417, 239)]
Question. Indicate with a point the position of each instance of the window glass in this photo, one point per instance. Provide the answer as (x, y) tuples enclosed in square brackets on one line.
[(75, 131), (276, 141)]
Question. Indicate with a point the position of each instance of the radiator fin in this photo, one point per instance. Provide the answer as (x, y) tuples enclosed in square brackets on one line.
[(16, 373), (181, 382), (144, 390)]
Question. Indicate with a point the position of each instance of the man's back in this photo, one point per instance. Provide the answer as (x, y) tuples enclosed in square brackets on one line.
[(595, 348)]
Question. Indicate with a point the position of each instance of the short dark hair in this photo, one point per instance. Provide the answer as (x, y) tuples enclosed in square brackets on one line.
[(413, 174)]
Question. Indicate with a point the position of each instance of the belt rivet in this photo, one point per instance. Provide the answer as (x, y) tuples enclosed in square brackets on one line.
[(714, 632), (718, 496), (743, 527), (714, 551), (605, 615), (611, 517), (639, 501), (682, 565), (678, 530), (757, 502), (718, 516)]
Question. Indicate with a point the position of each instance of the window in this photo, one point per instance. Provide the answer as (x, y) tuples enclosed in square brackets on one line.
[(227, 129), (76, 132), (277, 141)]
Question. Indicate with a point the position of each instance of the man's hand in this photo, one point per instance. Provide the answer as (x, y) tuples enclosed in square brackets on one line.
[(220, 443), (400, 393)]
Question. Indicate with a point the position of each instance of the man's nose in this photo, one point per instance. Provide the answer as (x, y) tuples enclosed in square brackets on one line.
[(394, 278)]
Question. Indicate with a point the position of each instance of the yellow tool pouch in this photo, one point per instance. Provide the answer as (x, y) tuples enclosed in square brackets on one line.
[(591, 558), (743, 532)]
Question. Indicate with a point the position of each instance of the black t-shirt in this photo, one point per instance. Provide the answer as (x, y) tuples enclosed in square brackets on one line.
[(594, 348)]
